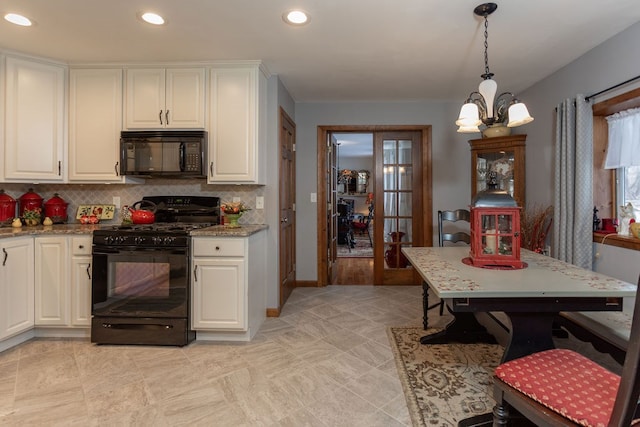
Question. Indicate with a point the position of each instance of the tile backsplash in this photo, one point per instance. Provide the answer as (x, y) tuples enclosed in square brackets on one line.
[(102, 194)]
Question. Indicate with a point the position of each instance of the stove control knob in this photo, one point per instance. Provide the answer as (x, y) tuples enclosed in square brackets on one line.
[(156, 240), (138, 240), (108, 239), (168, 240)]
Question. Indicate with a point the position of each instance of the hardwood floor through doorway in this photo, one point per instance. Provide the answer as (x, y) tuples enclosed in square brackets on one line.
[(355, 271)]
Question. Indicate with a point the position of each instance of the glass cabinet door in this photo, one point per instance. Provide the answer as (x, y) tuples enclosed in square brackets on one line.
[(504, 155)]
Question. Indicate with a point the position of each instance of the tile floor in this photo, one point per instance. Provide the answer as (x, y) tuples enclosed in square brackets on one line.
[(325, 361)]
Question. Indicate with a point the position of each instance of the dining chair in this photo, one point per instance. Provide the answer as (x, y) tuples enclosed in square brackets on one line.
[(560, 387), (363, 225), (445, 217)]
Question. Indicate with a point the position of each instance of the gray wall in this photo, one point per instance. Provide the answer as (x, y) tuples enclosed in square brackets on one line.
[(612, 62), (450, 152)]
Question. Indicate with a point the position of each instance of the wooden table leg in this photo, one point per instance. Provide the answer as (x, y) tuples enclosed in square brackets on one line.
[(530, 333)]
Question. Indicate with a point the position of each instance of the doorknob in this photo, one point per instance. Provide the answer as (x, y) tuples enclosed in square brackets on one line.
[(285, 219)]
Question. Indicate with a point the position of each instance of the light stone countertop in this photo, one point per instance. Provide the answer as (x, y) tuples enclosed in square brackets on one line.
[(214, 231), (6, 232), (226, 231)]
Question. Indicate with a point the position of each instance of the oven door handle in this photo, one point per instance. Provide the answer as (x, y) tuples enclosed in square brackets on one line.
[(139, 250)]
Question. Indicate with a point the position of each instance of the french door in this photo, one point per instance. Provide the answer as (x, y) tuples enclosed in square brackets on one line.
[(402, 199)]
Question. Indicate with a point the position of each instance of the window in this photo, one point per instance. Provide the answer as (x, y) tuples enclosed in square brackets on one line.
[(628, 188)]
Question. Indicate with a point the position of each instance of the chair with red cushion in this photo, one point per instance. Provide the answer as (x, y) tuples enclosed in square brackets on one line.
[(560, 387), (364, 224)]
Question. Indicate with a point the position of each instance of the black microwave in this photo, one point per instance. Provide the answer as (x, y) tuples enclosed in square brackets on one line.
[(171, 154)]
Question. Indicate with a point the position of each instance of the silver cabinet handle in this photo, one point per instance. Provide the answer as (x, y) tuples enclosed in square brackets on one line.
[(211, 169), (4, 261), (59, 167), (88, 272), (195, 273), (160, 116), (116, 168), (166, 117)]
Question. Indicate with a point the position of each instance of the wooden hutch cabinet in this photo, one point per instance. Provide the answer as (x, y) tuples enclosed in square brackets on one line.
[(506, 156)]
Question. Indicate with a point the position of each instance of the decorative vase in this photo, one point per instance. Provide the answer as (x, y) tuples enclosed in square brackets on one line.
[(393, 256), (497, 129), (232, 220)]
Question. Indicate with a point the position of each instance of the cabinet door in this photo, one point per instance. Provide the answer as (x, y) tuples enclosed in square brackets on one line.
[(504, 155), (80, 281), (51, 282), (95, 122), (81, 291), (34, 121), (219, 299), (185, 98), (233, 141), (145, 98), (16, 286)]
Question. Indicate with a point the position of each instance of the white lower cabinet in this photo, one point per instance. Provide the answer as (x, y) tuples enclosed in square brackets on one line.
[(16, 286), (62, 281), (80, 281), (51, 271), (228, 287)]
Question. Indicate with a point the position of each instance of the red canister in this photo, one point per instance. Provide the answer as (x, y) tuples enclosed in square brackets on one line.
[(31, 201), (7, 207), (56, 209)]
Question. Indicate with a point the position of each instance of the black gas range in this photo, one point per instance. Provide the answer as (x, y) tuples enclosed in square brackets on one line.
[(141, 274)]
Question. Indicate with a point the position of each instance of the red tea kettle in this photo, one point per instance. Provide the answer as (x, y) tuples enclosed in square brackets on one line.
[(7, 207), (30, 200), (143, 216), (56, 209)]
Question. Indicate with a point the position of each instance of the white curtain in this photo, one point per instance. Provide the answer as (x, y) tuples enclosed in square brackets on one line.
[(623, 148), (573, 201)]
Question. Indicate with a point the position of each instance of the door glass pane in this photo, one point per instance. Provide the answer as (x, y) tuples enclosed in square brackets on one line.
[(405, 226), (390, 178), (404, 152), (390, 204), (388, 152), (405, 175), (404, 204)]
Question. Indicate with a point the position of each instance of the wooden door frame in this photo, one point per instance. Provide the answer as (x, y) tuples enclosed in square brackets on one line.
[(322, 199)]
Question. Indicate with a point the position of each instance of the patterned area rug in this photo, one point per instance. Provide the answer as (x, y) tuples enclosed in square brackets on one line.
[(443, 383), (362, 249)]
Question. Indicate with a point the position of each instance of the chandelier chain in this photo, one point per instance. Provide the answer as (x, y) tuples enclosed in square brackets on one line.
[(486, 46)]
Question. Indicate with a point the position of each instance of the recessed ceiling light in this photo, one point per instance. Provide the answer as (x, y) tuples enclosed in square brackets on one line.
[(152, 18), (14, 18), (295, 17)]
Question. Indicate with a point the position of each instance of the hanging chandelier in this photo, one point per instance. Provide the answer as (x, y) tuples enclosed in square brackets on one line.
[(483, 107)]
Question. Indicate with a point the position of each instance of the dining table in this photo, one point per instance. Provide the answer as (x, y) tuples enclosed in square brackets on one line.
[(530, 297)]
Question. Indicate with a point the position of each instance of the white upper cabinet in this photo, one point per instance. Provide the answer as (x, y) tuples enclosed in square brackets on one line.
[(95, 122), (237, 125), (34, 121), (159, 98)]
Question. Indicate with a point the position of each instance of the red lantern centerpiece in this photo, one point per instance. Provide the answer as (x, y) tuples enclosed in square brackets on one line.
[(495, 229)]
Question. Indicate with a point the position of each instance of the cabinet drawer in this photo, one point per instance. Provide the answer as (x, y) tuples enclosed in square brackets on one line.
[(218, 247), (81, 245)]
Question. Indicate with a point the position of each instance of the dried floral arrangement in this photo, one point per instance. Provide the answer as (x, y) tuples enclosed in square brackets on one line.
[(535, 223)]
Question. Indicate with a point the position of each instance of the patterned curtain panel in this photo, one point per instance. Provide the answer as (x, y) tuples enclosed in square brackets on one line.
[(573, 201)]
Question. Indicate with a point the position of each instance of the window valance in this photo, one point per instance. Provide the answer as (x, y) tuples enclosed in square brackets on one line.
[(623, 148)]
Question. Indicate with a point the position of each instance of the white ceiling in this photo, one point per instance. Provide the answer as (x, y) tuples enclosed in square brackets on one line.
[(352, 50)]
